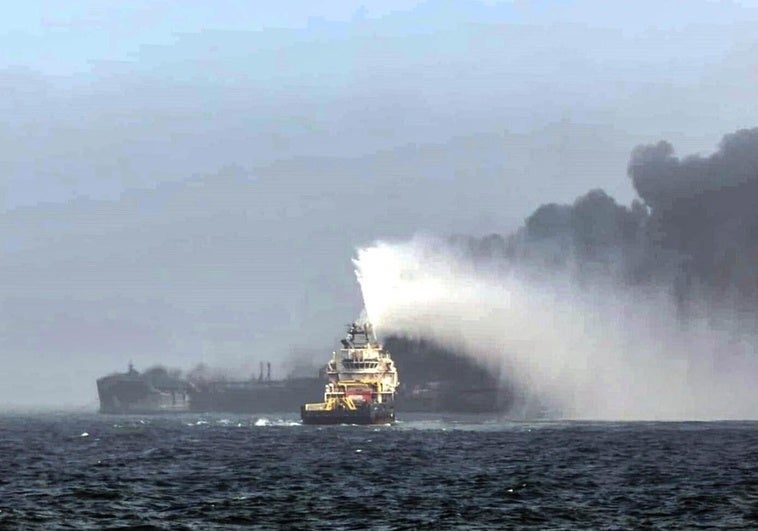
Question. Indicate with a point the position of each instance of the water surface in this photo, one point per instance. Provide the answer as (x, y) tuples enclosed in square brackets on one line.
[(427, 471)]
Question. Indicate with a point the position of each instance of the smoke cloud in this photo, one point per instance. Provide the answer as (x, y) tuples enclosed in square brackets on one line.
[(595, 309), (661, 179), (703, 218), (601, 352)]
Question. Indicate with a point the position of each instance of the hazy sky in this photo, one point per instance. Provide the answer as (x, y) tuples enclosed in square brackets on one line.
[(187, 181)]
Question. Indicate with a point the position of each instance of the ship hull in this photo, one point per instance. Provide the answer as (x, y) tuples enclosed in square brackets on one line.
[(253, 397), (137, 398), (367, 414)]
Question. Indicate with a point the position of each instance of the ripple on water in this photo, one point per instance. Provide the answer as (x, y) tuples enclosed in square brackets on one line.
[(439, 472)]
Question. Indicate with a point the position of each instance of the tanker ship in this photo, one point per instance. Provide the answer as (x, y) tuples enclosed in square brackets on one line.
[(158, 390), (362, 381), (264, 395), (154, 391)]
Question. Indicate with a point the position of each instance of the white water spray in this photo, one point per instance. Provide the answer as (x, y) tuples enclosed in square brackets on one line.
[(600, 351)]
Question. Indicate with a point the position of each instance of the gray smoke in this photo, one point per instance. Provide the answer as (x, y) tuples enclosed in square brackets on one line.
[(662, 180), (694, 230), (704, 220), (598, 309)]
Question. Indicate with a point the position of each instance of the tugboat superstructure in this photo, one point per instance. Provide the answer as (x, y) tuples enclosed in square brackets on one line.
[(362, 382)]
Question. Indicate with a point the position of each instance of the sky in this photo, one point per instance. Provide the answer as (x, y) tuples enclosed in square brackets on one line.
[(186, 182)]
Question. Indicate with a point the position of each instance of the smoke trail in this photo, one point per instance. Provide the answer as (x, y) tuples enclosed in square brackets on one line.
[(661, 179), (595, 350), (703, 216)]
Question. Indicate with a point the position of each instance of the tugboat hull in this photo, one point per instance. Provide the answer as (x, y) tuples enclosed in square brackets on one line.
[(365, 414)]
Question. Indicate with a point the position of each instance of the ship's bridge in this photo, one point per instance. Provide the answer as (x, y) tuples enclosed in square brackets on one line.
[(360, 336), (349, 364)]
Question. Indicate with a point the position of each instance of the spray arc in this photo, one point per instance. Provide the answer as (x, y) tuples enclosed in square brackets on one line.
[(592, 351)]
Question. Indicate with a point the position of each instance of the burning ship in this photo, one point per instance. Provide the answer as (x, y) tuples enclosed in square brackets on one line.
[(362, 381), (435, 380), (158, 390), (263, 395), (153, 391)]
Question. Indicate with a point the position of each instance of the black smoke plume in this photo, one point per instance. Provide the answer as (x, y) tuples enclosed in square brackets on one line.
[(691, 237), (704, 212), (693, 230)]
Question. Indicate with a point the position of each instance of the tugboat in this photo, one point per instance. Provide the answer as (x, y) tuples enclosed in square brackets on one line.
[(362, 381)]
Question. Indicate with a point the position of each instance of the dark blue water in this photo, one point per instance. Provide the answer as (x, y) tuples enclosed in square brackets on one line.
[(220, 472)]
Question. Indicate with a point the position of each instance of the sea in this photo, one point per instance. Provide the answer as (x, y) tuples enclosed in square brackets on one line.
[(192, 471)]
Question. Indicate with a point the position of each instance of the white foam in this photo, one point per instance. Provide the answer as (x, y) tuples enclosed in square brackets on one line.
[(593, 351)]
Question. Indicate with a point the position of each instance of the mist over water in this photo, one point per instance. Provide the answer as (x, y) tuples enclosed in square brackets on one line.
[(572, 349)]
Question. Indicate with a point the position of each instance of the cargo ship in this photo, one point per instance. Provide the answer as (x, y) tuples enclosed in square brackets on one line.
[(158, 390), (261, 395), (435, 380), (362, 382), (154, 391)]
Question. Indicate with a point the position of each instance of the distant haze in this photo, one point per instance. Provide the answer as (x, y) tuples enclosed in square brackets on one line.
[(184, 184)]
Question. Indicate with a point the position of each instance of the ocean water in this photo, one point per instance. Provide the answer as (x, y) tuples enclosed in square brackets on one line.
[(89, 471)]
